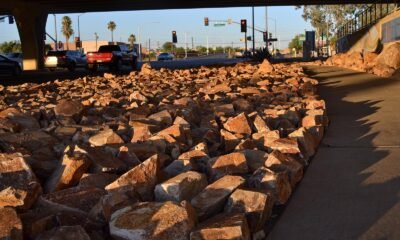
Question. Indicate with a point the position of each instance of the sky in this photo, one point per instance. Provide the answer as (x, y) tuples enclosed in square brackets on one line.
[(158, 25)]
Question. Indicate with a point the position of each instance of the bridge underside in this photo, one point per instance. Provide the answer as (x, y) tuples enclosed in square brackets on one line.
[(31, 15)]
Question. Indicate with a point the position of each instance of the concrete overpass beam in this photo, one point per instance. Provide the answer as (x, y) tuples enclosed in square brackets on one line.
[(31, 25)]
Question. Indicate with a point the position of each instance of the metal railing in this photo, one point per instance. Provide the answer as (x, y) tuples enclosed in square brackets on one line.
[(366, 18)]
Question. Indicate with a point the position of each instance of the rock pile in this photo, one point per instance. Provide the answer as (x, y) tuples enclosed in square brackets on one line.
[(385, 64), (200, 153)]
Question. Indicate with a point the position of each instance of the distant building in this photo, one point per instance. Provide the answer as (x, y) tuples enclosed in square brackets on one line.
[(91, 46)]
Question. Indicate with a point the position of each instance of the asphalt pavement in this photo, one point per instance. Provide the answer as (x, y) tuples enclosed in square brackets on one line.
[(351, 190)]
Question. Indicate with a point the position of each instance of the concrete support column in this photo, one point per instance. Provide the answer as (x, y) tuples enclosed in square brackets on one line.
[(31, 23)]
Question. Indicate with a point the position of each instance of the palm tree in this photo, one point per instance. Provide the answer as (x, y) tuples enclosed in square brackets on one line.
[(66, 29), (111, 26), (132, 40)]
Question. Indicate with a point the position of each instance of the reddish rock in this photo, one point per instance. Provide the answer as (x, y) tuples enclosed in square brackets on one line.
[(10, 224), (96, 180), (73, 165), (255, 159), (265, 67), (256, 206), (278, 161), (229, 164), (150, 220), (269, 181), (142, 178), (68, 108), (286, 145), (238, 124), (212, 199), (223, 227)]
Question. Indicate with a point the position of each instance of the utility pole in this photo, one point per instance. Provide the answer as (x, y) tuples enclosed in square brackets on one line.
[(207, 45), (254, 43), (96, 37), (266, 26), (192, 44), (55, 32), (185, 45), (148, 50)]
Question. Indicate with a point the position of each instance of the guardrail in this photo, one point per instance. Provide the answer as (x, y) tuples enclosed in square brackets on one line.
[(366, 18)]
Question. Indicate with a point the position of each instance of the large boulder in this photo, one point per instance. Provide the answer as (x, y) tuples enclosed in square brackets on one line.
[(390, 56), (68, 173), (18, 186), (182, 187), (151, 220), (142, 179), (212, 199), (223, 227), (256, 206)]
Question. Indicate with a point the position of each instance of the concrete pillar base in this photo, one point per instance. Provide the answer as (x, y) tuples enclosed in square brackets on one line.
[(31, 25)]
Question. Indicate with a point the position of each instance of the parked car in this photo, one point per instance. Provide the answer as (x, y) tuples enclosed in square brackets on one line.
[(243, 54), (16, 56), (165, 56), (9, 67), (113, 56), (65, 59)]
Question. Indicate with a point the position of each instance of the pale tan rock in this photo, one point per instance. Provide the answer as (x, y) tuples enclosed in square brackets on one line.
[(223, 227), (286, 145), (19, 187), (265, 67), (105, 137), (150, 220), (212, 199), (182, 187)]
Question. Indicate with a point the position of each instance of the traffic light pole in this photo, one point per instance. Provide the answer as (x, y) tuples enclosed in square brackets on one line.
[(254, 43), (245, 42)]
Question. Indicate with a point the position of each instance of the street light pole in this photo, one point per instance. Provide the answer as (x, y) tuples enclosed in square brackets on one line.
[(254, 43), (96, 37), (79, 29), (55, 32)]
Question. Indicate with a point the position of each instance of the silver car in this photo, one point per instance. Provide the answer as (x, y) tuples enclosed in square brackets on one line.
[(65, 59), (165, 56)]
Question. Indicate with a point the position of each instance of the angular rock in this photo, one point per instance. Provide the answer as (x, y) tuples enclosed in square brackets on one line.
[(265, 67), (106, 137), (182, 187), (223, 227), (229, 164), (73, 165), (142, 178), (278, 161), (286, 145), (255, 159), (212, 199), (269, 181), (19, 187), (238, 124), (68, 108), (150, 220)]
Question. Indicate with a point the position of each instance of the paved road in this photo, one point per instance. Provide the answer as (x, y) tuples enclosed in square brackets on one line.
[(352, 188), (44, 76)]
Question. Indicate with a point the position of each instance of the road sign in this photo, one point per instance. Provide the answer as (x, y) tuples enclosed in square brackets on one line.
[(219, 24)]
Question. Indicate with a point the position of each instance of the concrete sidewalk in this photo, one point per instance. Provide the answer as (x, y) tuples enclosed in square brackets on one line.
[(352, 188)]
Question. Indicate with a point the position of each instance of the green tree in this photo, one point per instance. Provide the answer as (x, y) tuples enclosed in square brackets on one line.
[(168, 46), (66, 28), (111, 26), (12, 46), (326, 18), (297, 43), (132, 40)]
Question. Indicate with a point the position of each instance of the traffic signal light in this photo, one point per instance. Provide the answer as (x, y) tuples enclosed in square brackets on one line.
[(78, 43), (270, 35), (249, 38), (174, 37), (243, 25), (10, 19), (265, 36), (206, 21)]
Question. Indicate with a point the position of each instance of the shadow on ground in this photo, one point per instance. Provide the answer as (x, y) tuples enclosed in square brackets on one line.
[(351, 189)]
